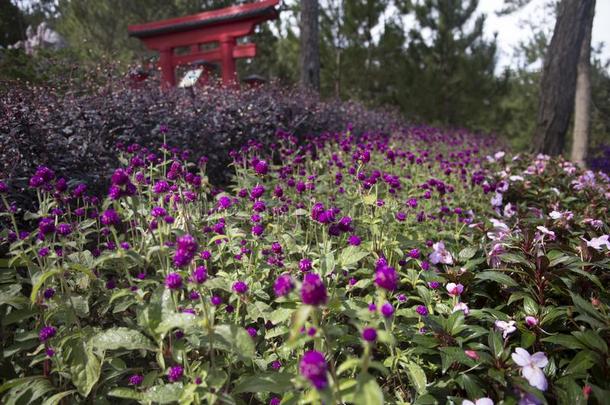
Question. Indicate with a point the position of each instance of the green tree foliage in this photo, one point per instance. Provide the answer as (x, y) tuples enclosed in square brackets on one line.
[(11, 23)]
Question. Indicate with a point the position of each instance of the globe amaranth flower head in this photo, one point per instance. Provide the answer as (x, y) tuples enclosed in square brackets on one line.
[(369, 334), (313, 367), (313, 291), (422, 310), (387, 310), (46, 333), (240, 287), (386, 277), (136, 379), (173, 281), (283, 285), (110, 217), (175, 373), (305, 264), (200, 275)]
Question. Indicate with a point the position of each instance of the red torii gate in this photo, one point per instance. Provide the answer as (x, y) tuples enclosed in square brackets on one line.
[(223, 26)]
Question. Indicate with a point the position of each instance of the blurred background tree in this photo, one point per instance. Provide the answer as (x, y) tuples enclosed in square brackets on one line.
[(429, 58)]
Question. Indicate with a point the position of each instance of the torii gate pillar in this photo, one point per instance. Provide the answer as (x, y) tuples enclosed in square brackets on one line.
[(223, 26)]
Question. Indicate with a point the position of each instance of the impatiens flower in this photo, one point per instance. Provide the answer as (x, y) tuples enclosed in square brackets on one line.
[(386, 277), (505, 327), (472, 354), (531, 321), (313, 367), (461, 306), (175, 373), (46, 333), (240, 287), (440, 254), (599, 243), (313, 291), (531, 367), (455, 289), (369, 334), (480, 401), (136, 379), (546, 232), (283, 285), (173, 281)]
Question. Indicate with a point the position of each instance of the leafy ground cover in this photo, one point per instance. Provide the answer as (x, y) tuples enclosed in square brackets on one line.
[(425, 266)]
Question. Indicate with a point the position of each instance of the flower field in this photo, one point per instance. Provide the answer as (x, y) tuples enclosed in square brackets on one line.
[(421, 267)]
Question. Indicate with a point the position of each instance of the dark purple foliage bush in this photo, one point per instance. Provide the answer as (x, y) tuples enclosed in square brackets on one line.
[(76, 133)]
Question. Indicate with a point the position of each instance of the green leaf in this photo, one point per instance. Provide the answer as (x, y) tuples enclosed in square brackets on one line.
[(592, 339), (121, 338), (417, 377), (467, 253), (55, 399), (266, 382), (184, 321), (164, 394), (85, 366), (566, 341), (40, 282), (258, 309), (368, 391), (237, 340), (498, 277), (351, 255), (495, 344), (126, 393)]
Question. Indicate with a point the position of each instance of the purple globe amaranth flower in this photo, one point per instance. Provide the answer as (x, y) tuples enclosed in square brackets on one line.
[(49, 352), (44, 252), (136, 379), (187, 243), (314, 368), (120, 177), (257, 191), (275, 401), (386, 277), (216, 300), (354, 240), (305, 264), (173, 281), (283, 285), (414, 253), (46, 226), (46, 333), (175, 373), (240, 287), (369, 334), (64, 229), (160, 187), (48, 293), (401, 216), (110, 217), (313, 291), (3, 187), (422, 310), (387, 310), (200, 275), (158, 212), (261, 167), (251, 331), (224, 202), (257, 230)]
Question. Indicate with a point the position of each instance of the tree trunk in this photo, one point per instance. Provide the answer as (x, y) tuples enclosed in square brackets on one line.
[(558, 83), (310, 45), (582, 100)]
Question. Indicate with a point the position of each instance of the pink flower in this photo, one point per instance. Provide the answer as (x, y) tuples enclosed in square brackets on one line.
[(461, 306), (505, 327), (531, 321), (598, 243), (531, 367), (440, 254), (472, 354), (480, 401), (455, 289)]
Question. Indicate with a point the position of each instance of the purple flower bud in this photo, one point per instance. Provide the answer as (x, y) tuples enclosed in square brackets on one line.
[(387, 310), (49, 293), (240, 287), (422, 310), (283, 285), (173, 281), (46, 333), (216, 300), (175, 373), (369, 334), (251, 331), (313, 291), (136, 379), (313, 367), (200, 275)]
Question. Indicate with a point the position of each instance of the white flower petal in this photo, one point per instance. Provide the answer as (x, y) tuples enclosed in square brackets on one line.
[(539, 359), (521, 357)]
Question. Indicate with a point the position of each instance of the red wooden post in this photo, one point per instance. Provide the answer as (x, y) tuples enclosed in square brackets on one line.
[(168, 78), (223, 26), (229, 75)]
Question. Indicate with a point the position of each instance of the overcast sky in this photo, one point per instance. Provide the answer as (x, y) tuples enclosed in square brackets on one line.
[(511, 32)]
